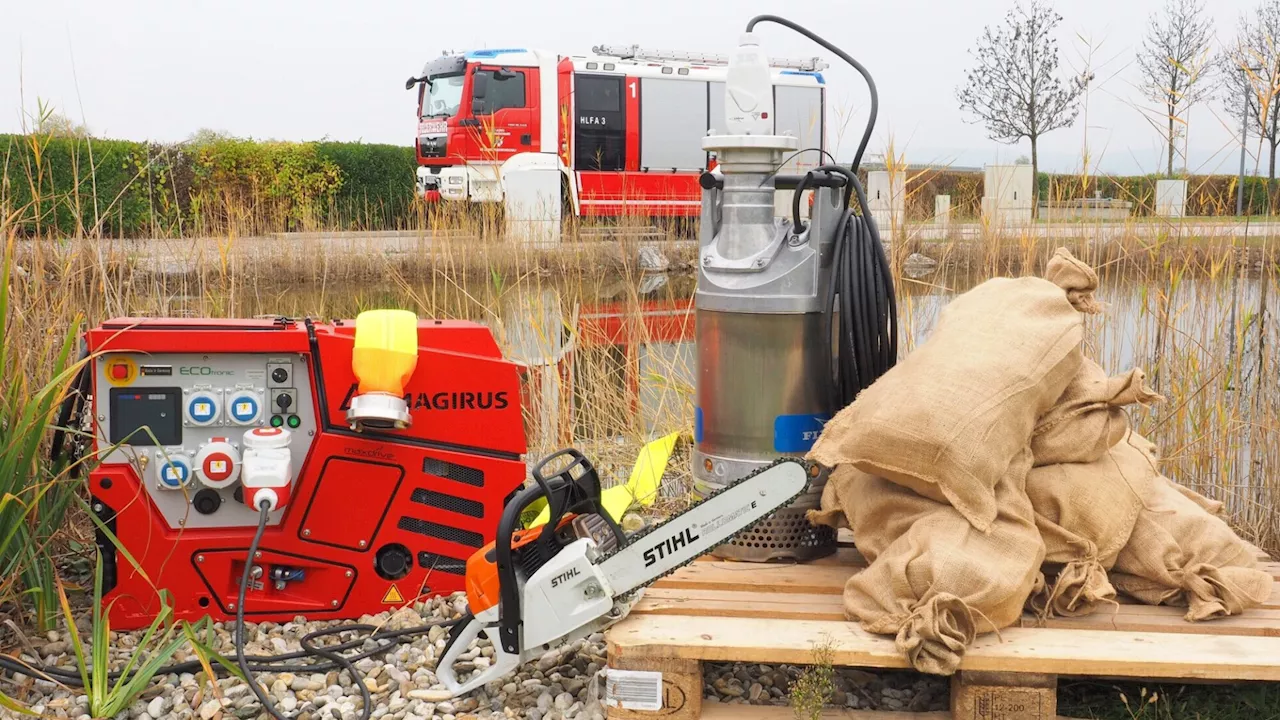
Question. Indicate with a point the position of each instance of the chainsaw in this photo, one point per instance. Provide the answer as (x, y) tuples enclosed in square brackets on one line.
[(532, 589)]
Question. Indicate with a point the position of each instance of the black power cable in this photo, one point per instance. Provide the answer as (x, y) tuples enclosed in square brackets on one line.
[(861, 293), (385, 640)]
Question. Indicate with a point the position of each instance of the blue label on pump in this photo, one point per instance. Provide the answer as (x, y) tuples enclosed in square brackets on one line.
[(797, 433), (697, 424)]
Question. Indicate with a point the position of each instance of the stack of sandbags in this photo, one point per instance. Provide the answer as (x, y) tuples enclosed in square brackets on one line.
[(945, 434), (994, 467)]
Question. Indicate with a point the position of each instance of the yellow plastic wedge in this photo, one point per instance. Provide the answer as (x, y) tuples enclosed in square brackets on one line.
[(641, 487)]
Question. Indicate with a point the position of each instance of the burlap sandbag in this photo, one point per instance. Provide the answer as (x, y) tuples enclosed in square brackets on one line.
[(1213, 507), (951, 416), (935, 582), (1089, 418), (1085, 513), (1181, 555)]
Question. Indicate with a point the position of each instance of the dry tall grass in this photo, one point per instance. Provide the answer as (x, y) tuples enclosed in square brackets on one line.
[(1197, 313)]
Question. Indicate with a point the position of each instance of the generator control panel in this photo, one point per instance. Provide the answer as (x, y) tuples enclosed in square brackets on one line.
[(180, 420)]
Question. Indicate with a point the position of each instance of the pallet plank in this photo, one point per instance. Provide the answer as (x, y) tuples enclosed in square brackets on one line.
[(722, 711), (807, 606), (1034, 650), (797, 579)]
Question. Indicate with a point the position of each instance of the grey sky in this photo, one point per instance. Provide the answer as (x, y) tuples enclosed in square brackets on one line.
[(161, 69)]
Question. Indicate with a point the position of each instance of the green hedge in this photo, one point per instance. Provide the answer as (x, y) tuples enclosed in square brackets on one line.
[(72, 185), (377, 182), (1207, 195), (66, 185)]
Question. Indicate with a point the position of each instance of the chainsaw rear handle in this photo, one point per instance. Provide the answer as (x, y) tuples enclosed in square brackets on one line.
[(564, 494)]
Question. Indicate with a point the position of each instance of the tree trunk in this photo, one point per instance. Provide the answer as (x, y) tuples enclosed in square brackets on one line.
[(1035, 180), (1170, 144), (1271, 181)]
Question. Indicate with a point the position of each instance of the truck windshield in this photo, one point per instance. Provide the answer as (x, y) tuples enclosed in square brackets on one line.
[(443, 96)]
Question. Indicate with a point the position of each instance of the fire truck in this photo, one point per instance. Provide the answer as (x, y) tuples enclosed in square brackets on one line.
[(622, 127)]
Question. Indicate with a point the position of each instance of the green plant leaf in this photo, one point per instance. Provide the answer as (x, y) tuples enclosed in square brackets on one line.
[(12, 705)]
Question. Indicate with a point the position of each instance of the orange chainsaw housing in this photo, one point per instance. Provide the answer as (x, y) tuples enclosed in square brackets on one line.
[(483, 586)]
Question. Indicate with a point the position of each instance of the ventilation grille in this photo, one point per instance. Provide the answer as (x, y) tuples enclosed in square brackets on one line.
[(442, 563), (786, 535), (442, 532), (452, 503), (460, 473)]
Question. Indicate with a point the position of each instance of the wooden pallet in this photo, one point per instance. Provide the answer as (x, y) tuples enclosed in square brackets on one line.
[(722, 611)]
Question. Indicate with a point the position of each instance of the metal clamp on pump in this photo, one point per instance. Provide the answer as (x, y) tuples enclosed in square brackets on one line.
[(383, 360)]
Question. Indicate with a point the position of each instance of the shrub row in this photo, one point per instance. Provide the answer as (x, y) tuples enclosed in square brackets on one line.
[(1209, 195), (68, 185)]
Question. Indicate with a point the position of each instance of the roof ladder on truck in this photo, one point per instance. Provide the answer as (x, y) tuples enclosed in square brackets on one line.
[(635, 52)]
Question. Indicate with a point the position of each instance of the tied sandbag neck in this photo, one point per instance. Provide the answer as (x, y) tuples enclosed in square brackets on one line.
[(935, 634), (1080, 586)]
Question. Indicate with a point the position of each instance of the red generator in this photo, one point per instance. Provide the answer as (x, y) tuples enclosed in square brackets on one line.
[(188, 413)]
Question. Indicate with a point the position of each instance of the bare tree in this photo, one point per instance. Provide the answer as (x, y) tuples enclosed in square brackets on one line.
[(1175, 62), (1013, 88), (1251, 74)]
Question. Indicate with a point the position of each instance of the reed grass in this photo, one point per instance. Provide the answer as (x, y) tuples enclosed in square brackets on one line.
[(1195, 308)]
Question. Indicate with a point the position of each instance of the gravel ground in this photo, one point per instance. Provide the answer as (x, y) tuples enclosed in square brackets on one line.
[(556, 686), (560, 685), (741, 683)]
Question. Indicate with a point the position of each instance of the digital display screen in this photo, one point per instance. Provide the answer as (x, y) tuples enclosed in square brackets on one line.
[(159, 410)]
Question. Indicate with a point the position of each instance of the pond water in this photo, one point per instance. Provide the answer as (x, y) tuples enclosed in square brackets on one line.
[(615, 358)]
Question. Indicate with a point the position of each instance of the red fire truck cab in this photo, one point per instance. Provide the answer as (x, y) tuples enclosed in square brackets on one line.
[(623, 127)]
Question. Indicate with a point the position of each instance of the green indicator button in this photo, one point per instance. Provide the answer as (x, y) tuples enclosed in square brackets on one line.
[(294, 421), (276, 421)]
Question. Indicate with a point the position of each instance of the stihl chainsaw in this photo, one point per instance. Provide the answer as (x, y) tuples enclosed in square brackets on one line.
[(537, 588)]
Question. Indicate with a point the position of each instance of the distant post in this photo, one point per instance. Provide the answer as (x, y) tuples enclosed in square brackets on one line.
[(942, 211)]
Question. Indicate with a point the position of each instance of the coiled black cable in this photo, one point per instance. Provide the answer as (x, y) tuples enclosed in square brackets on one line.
[(861, 294)]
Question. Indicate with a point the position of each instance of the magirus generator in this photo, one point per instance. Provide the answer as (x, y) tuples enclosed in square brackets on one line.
[(386, 461)]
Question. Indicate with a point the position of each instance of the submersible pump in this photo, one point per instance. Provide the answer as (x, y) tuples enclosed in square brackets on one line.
[(793, 317)]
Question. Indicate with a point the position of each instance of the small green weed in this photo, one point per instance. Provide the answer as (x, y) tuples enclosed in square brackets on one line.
[(816, 685)]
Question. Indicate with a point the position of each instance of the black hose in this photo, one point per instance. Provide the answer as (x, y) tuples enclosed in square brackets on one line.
[(861, 293), (70, 409), (264, 513)]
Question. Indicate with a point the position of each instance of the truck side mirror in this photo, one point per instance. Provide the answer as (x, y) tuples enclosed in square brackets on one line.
[(479, 86), (408, 84)]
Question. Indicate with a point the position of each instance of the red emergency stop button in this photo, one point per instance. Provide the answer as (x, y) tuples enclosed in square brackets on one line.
[(119, 371)]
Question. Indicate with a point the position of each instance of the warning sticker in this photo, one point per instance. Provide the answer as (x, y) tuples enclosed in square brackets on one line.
[(633, 689), (393, 596)]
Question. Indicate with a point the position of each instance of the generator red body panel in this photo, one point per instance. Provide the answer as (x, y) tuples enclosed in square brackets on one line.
[(375, 520)]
